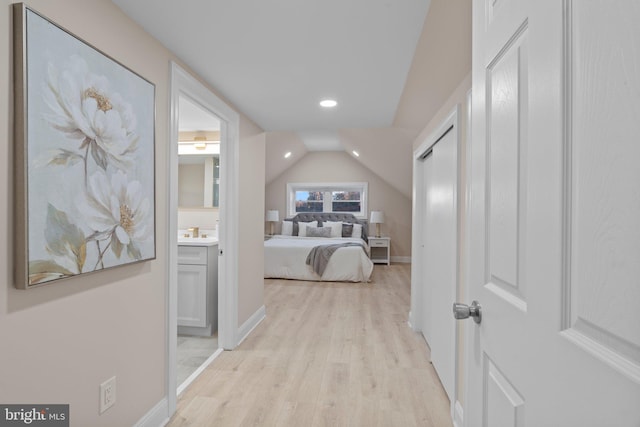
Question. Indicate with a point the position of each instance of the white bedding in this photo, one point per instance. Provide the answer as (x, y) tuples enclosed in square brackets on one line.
[(285, 257)]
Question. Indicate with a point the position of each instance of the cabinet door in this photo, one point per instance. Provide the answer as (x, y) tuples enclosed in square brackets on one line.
[(192, 295)]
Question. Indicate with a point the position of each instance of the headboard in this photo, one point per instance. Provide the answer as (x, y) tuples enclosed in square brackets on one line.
[(330, 216)]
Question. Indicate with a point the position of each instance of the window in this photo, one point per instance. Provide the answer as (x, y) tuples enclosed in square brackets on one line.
[(327, 197), (309, 201), (346, 201)]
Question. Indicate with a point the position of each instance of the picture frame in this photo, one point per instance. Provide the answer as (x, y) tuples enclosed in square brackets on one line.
[(84, 156)]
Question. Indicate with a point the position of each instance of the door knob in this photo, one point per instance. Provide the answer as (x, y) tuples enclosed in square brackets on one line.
[(463, 311)]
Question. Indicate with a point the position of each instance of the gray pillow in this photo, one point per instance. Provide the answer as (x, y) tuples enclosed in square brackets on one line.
[(347, 230), (318, 231)]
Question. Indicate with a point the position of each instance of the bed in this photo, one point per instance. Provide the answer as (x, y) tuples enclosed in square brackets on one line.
[(286, 255)]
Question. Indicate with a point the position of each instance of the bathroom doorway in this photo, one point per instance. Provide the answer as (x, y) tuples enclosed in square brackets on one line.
[(198, 231), (183, 84)]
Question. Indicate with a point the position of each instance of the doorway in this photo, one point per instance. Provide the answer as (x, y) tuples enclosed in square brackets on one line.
[(185, 86), (198, 206)]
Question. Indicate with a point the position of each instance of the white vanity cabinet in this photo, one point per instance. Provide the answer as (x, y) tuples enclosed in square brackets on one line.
[(197, 289)]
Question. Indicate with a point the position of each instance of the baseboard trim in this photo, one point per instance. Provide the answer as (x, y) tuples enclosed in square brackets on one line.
[(158, 416), (410, 321), (458, 415), (401, 259), (251, 323)]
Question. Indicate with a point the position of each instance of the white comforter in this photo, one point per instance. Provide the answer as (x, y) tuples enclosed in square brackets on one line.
[(285, 257)]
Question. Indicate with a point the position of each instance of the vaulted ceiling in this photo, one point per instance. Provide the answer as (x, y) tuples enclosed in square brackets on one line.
[(389, 64)]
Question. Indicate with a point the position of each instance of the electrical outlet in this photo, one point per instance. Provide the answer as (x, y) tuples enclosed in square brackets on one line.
[(107, 394)]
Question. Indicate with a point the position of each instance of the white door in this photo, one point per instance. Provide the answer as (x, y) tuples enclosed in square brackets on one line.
[(426, 325), (554, 256), (440, 255)]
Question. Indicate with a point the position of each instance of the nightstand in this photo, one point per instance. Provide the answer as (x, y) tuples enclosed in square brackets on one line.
[(380, 250)]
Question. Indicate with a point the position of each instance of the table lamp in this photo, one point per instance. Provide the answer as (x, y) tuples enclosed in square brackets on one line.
[(272, 216), (377, 218)]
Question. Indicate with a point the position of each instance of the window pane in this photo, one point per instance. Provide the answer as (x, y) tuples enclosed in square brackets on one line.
[(309, 201), (346, 195), (346, 206), (345, 201)]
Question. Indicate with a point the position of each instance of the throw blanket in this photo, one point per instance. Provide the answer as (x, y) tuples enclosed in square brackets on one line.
[(319, 256)]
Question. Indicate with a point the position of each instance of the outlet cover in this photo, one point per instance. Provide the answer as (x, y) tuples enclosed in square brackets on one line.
[(107, 394)]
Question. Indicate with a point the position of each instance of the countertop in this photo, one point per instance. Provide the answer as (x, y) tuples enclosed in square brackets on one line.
[(197, 241)]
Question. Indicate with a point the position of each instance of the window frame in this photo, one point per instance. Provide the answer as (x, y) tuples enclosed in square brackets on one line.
[(328, 187)]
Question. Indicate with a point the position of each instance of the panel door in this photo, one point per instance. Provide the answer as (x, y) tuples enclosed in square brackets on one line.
[(554, 208)]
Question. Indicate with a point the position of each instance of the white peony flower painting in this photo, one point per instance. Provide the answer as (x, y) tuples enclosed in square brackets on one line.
[(89, 157)]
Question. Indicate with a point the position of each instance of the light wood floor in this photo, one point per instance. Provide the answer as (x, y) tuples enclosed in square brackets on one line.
[(327, 354)]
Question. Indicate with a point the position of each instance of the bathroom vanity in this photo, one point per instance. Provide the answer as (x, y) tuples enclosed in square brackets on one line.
[(197, 286)]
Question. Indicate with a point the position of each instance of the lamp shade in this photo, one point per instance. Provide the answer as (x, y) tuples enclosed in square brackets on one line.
[(377, 217), (272, 215)]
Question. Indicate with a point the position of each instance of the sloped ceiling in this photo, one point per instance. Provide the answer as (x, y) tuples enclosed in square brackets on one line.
[(276, 59), (442, 59), (386, 152), (278, 144), (391, 64)]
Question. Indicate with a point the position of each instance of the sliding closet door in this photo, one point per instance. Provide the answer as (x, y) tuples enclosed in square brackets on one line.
[(440, 253)]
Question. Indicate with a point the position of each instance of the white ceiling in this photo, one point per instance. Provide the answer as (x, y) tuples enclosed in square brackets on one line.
[(276, 59), (192, 118)]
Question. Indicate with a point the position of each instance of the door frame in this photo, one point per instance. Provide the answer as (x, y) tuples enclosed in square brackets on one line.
[(417, 247), (184, 84)]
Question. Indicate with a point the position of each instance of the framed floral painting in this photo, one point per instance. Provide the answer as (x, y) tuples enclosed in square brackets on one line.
[(84, 156)]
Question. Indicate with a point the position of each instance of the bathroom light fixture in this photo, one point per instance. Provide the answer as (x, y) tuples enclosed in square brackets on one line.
[(328, 103), (200, 142), (196, 139), (199, 145), (287, 154), (355, 153)]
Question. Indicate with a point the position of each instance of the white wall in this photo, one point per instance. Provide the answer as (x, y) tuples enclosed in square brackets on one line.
[(205, 218), (60, 341), (251, 232)]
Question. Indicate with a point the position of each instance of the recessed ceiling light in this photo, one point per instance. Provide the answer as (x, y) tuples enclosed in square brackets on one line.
[(287, 154), (355, 153), (328, 103)]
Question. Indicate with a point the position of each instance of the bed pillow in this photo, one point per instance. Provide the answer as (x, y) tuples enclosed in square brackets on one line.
[(347, 229), (318, 231), (302, 227), (357, 231), (287, 228), (336, 227)]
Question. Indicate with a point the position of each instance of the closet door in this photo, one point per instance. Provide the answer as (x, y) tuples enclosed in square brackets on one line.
[(440, 256)]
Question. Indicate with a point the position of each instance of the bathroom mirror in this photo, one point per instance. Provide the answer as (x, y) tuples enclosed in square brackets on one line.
[(198, 181), (198, 157)]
